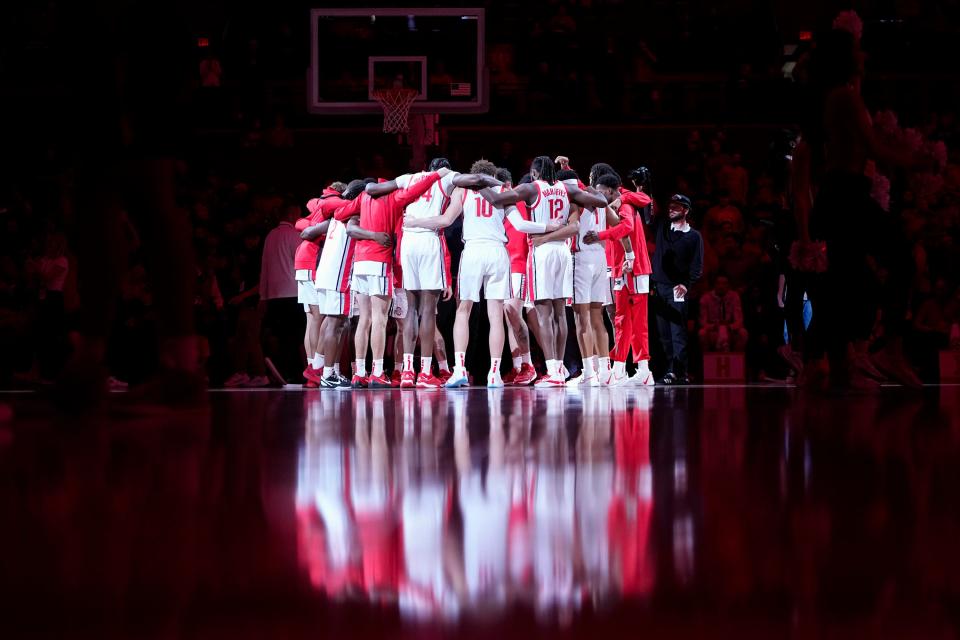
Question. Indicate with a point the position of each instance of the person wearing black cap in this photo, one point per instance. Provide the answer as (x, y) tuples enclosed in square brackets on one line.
[(677, 265)]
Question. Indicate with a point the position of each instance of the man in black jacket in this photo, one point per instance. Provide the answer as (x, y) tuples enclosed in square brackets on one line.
[(677, 265)]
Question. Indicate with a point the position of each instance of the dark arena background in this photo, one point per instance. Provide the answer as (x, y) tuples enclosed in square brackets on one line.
[(557, 318)]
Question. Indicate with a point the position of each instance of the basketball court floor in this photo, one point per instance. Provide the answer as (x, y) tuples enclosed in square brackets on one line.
[(667, 512)]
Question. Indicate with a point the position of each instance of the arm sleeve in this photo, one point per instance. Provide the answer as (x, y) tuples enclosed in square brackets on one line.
[(622, 230), (403, 197), (525, 226), (329, 206), (635, 199), (348, 210)]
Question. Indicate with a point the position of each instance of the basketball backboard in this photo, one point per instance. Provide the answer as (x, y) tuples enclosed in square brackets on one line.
[(439, 52)]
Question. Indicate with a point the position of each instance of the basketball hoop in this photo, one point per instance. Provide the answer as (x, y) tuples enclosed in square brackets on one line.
[(396, 105)]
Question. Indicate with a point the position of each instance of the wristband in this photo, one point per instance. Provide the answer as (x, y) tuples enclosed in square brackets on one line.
[(629, 256)]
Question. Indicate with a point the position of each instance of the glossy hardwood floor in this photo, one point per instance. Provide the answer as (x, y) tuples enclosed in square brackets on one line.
[(752, 512)]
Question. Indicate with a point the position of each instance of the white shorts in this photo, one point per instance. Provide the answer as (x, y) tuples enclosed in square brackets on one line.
[(372, 279), (334, 303), (487, 265), (590, 282), (307, 295), (421, 259), (550, 272), (518, 285), (399, 306)]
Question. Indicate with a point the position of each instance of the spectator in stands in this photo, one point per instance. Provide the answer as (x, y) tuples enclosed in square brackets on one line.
[(724, 217), (243, 285), (280, 137), (210, 71), (46, 278), (721, 318), (562, 22), (733, 177), (283, 319)]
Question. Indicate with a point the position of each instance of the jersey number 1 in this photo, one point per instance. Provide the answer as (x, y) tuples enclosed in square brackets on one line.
[(484, 209)]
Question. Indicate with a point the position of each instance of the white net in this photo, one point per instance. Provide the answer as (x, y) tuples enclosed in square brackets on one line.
[(396, 105)]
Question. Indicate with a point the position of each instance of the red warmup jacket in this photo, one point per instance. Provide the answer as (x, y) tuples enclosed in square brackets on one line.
[(382, 214), (632, 225), (320, 209), (517, 245)]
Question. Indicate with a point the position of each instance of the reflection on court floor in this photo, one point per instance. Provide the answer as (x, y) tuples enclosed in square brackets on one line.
[(453, 505)]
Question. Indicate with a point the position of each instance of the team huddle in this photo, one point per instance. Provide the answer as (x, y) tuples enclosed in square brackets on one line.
[(377, 251)]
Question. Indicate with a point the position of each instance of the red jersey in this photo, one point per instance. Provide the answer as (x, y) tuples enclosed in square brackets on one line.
[(517, 245), (320, 209), (384, 214)]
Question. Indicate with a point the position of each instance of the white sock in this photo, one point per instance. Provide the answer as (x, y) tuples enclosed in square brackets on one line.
[(407, 362), (425, 364), (442, 365), (318, 361), (643, 367), (378, 367), (336, 368), (553, 367), (594, 365), (517, 363), (620, 369), (460, 359), (327, 372), (588, 367), (361, 367), (495, 366), (604, 364), (526, 358)]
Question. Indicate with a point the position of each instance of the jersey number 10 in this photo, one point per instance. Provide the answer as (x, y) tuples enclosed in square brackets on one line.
[(484, 209)]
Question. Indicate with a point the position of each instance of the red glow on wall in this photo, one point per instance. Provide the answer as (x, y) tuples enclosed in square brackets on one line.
[(203, 43), (806, 36)]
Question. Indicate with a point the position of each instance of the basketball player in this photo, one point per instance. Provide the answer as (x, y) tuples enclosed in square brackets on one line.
[(305, 264), (591, 290), (631, 285), (379, 208), (332, 283), (550, 267), (425, 273), (484, 263), (523, 372)]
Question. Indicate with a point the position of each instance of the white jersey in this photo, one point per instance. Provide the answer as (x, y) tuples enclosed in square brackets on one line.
[(482, 220), (551, 206), (430, 204), (336, 259), (591, 220)]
